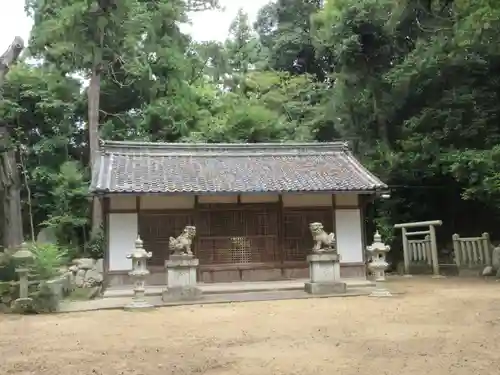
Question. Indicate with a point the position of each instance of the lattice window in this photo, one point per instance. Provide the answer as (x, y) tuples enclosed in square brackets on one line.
[(241, 251), (238, 235)]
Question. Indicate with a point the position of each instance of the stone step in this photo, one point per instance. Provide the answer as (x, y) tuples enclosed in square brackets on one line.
[(236, 287), (120, 302)]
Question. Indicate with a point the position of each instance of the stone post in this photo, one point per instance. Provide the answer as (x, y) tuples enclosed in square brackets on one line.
[(406, 253), (181, 278), (139, 272), (377, 252), (324, 264), (23, 258), (324, 273)]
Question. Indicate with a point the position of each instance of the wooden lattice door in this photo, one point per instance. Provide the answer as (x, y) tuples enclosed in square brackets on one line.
[(156, 229), (297, 236), (237, 235)]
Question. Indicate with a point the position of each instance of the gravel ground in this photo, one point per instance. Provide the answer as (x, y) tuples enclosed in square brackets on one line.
[(437, 327)]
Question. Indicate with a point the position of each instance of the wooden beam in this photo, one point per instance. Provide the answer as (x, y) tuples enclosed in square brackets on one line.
[(418, 224), (419, 233)]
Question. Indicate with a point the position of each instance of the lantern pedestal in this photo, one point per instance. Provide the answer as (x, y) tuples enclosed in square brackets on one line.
[(377, 252), (23, 258), (181, 278), (324, 273), (139, 272)]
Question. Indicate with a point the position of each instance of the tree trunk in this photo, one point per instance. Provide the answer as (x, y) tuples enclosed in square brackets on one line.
[(10, 191), (93, 93), (10, 186)]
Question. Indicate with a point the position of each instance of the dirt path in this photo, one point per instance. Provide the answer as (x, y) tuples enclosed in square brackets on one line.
[(439, 327)]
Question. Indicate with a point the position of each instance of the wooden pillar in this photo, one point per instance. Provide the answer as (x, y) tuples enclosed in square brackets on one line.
[(138, 210), (434, 252), (363, 203), (281, 234), (105, 214), (196, 223), (334, 221), (406, 254)]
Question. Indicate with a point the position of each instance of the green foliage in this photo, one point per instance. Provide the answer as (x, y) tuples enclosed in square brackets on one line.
[(44, 300), (9, 291), (413, 85), (69, 214), (94, 248), (7, 266), (48, 260)]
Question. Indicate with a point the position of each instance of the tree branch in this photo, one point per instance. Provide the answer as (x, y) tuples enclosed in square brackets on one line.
[(10, 56)]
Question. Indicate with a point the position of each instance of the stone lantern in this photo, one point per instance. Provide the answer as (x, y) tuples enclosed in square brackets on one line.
[(23, 259), (138, 274), (377, 252)]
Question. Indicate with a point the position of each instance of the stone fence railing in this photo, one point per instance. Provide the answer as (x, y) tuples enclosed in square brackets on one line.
[(472, 254), (420, 251)]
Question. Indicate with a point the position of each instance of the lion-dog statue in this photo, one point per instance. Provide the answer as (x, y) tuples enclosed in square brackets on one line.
[(323, 242), (182, 244)]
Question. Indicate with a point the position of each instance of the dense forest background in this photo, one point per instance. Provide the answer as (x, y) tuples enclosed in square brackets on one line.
[(414, 85)]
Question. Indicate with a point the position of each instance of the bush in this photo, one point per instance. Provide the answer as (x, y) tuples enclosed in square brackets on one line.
[(48, 260), (9, 291), (94, 248), (42, 298), (45, 300), (7, 266)]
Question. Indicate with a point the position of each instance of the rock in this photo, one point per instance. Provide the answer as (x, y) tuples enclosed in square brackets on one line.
[(495, 258), (85, 263), (92, 278), (99, 265), (6, 299), (80, 278), (72, 279), (489, 271), (73, 269), (46, 236), (56, 287), (68, 282)]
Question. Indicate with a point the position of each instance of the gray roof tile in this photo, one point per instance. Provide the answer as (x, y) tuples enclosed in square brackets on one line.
[(138, 167)]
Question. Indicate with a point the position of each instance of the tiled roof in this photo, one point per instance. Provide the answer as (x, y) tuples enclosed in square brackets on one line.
[(139, 167)]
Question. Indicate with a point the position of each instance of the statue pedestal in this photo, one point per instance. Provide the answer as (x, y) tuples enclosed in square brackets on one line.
[(324, 272), (181, 278)]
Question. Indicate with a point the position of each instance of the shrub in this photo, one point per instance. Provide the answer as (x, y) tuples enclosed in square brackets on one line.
[(94, 248), (7, 266), (48, 260), (44, 300), (46, 264)]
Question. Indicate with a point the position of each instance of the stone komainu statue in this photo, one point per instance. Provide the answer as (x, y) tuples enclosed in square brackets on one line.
[(182, 244), (323, 242)]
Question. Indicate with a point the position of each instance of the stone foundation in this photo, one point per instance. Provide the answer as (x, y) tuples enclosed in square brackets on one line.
[(181, 278), (325, 288), (324, 270), (157, 276), (181, 293)]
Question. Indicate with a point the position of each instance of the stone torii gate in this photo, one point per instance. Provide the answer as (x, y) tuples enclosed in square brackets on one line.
[(430, 243)]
